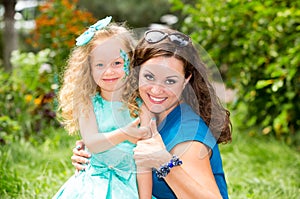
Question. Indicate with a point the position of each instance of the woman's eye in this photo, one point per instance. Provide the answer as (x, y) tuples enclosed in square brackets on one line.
[(170, 81), (149, 77)]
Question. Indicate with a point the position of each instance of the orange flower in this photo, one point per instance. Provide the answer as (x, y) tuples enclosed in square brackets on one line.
[(38, 101), (28, 98)]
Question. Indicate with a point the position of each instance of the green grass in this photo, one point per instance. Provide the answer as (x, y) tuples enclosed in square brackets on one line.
[(255, 167), (29, 171), (261, 168)]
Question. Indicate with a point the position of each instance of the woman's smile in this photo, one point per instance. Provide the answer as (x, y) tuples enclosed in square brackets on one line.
[(157, 100), (161, 83)]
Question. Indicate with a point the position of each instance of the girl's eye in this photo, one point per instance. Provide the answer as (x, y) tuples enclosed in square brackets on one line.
[(170, 81), (149, 77), (118, 63), (100, 65)]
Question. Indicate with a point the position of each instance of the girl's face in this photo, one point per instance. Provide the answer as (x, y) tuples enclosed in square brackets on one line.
[(161, 82), (108, 67)]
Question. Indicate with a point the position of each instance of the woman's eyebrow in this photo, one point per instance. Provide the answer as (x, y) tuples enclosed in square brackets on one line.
[(149, 72), (172, 76)]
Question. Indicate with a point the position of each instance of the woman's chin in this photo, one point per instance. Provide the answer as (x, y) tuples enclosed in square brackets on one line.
[(156, 109)]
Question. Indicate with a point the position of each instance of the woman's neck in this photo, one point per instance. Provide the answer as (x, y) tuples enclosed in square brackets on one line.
[(161, 116)]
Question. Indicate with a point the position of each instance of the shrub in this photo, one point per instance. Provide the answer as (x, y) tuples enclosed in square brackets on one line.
[(256, 45), (28, 96), (57, 26)]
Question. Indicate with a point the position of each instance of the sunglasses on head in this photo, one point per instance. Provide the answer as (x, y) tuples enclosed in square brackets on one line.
[(155, 36)]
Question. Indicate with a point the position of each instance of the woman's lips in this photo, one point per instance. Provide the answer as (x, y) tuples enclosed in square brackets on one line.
[(156, 100)]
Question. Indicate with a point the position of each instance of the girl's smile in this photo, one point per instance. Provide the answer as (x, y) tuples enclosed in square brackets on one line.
[(108, 67)]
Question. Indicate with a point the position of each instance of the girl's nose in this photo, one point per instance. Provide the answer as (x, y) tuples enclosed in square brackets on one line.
[(109, 70)]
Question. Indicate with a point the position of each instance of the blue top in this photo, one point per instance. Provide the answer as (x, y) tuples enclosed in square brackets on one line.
[(182, 125)]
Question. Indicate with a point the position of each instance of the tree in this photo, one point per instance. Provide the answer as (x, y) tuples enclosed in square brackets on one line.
[(10, 37), (137, 13)]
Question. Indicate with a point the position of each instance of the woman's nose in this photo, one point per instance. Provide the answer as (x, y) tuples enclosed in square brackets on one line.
[(156, 89)]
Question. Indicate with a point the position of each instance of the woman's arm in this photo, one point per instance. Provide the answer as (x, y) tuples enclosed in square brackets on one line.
[(80, 157), (98, 142), (195, 170)]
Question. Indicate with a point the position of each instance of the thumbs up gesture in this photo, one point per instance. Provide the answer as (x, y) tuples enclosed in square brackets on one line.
[(152, 152)]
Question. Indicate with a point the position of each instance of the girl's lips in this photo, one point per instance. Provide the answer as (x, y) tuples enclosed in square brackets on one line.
[(110, 80), (156, 100)]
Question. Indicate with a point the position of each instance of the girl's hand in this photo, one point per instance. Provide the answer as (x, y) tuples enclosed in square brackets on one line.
[(151, 153), (135, 133), (145, 115), (80, 156)]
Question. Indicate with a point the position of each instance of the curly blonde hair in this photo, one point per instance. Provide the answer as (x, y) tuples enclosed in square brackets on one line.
[(78, 84)]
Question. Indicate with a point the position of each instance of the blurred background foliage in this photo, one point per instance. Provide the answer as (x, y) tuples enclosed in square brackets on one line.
[(254, 43), (256, 46)]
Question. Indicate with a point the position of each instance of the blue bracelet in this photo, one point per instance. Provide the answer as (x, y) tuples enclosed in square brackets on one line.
[(164, 170)]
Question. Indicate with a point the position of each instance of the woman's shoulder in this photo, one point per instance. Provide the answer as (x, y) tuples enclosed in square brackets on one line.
[(188, 115), (187, 125)]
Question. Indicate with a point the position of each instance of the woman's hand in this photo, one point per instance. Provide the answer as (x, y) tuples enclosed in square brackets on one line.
[(80, 156), (151, 153)]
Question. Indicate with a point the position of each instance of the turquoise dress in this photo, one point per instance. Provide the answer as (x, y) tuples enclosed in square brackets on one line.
[(111, 174)]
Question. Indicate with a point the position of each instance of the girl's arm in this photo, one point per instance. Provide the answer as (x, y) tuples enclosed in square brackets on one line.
[(98, 142), (144, 180)]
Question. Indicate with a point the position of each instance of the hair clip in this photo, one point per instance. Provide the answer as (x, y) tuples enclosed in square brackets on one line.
[(85, 37), (125, 57)]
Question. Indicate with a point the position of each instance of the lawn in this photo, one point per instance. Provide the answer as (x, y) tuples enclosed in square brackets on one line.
[(261, 168)]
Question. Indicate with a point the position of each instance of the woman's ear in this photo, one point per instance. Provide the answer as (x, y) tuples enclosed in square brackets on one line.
[(187, 80)]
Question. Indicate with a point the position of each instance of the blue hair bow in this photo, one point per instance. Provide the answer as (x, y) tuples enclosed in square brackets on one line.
[(85, 37)]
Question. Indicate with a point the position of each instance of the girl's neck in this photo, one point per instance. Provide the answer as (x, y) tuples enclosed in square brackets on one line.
[(111, 96)]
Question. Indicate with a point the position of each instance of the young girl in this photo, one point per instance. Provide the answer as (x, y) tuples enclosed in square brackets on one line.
[(90, 102)]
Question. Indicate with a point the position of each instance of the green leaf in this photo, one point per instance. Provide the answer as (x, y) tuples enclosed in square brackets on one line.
[(263, 83)]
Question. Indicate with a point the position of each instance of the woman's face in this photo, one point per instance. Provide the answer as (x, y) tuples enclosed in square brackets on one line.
[(161, 82), (108, 66)]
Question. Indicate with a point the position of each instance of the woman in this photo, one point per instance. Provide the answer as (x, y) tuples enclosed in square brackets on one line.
[(172, 81)]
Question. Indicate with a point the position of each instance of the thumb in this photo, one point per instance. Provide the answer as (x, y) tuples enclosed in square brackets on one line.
[(135, 122), (153, 127), (155, 134)]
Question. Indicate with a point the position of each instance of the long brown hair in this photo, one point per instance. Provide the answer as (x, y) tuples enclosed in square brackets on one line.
[(206, 103)]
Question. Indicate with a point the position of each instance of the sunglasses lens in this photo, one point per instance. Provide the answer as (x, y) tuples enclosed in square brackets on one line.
[(179, 39), (154, 36)]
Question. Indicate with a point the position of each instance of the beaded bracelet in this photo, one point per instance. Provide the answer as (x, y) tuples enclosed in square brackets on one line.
[(164, 170)]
